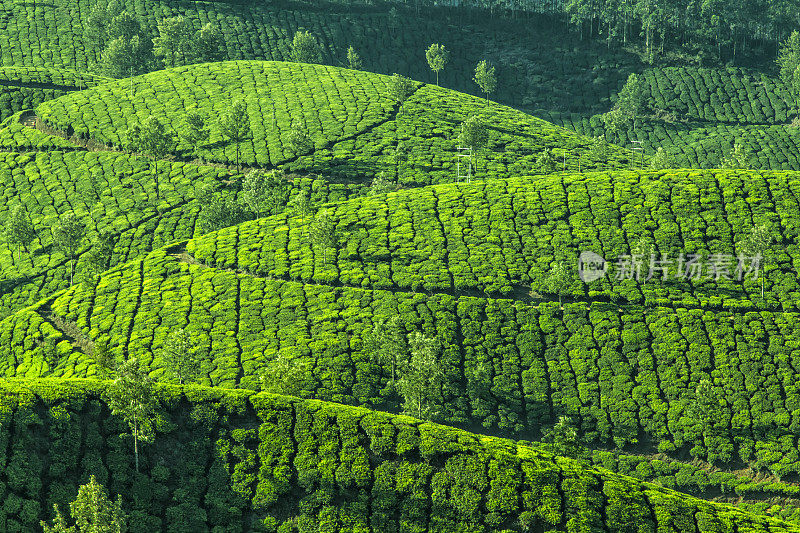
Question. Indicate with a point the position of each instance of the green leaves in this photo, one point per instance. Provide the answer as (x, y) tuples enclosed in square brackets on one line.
[(486, 78), (305, 48), (437, 56)]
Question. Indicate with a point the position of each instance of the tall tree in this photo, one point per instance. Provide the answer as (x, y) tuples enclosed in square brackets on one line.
[(437, 57), (485, 78), (755, 245), (98, 260), (558, 280), (257, 192), (353, 59), (323, 233), (630, 100), (235, 126), (400, 88), (103, 358), (789, 63), (209, 45), (174, 39), (97, 23), (195, 129), (421, 379), (179, 357), (132, 397), (546, 162), (284, 375), (19, 228), (152, 139), (92, 511), (300, 140), (563, 439), (68, 236), (475, 135), (305, 48), (387, 344), (129, 51)]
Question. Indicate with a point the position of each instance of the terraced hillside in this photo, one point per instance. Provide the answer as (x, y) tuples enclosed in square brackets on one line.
[(357, 128), (236, 461), (626, 358), (697, 115), (25, 87), (140, 206)]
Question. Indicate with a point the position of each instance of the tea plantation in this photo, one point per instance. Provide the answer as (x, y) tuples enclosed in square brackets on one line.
[(356, 127), (315, 319), (234, 460)]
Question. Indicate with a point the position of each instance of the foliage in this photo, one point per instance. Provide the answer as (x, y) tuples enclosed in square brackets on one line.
[(475, 135), (300, 140), (19, 230), (789, 62), (437, 56), (179, 356), (92, 511), (261, 451), (195, 129), (174, 40), (323, 233), (353, 59), (131, 397), (68, 236), (486, 78), (235, 125), (129, 51), (305, 48), (563, 439), (421, 378)]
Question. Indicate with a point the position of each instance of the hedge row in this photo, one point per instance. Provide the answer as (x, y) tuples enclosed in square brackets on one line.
[(49, 184), (629, 373), (355, 124), (17, 137), (504, 236), (26, 87), (237, 461)]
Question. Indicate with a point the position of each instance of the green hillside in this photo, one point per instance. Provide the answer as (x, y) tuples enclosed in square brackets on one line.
[(626, 359), (25, 87), (355, 124), (237, 461)]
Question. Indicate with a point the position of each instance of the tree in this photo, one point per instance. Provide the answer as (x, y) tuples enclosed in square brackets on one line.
[(68, 236), (614, 121), (92, 511), (400, 88), (305, 48), (387, 344), (284, 375), (129, 51), (737, 157), (256, 192), (475, 135), (195, 130), (153, 140), (300, 140), (99, 19), (485, 78), (380, 185), (98, 260), (437, 57), (19, 228), (754, 245), (421, 379), (558, 280), (179, 357), (132, 397), (301, 205), (661, 160), (103, 358), (323, 233), (789, 63), (235, 126), (353, 59), (630, 100), (546, 162), (209, 44), (218, 211), (174, 38), (562, 439)]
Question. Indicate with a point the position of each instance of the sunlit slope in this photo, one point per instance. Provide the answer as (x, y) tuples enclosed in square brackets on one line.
[(697, 115), (629, 365), (358, 129), (25, 87), (256, 462)]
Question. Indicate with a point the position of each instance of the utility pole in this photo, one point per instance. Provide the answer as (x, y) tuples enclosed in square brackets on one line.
[(639, 148), (464, 151)]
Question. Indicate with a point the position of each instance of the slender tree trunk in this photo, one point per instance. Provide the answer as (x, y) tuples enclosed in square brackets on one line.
[(136, 442), (437, 78)]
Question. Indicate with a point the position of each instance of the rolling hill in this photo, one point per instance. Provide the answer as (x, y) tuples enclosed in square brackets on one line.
[(357, 128), (228, 460)]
